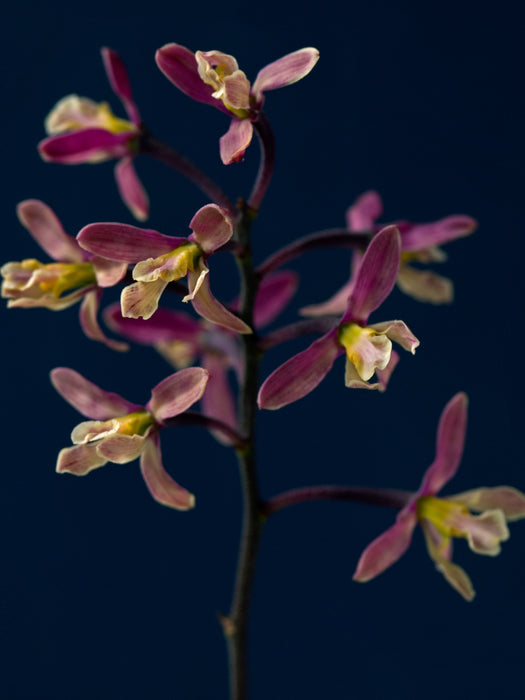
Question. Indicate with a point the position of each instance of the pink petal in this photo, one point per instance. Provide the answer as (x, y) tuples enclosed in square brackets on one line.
[(89, 323), (207, 306), (85, 146), (299, 375), (235, 141), (89, 399), (419, 236), (121, 449), (274, 293), (177, 393), (79, 460), (285, 71), (218, 401), (160, 484), (364, 211), (376, 275), (454, 575), (211, 227), (126, 243), (386, 549), (108, 272), (164, 325), (119, 81), (131, 189), (43, 224), (180, 67), (449, 449)]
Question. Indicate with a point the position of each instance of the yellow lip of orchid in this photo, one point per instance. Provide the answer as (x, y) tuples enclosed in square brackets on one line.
[(73, 113), (230, 85), (366, 348), (136, 423), (169, 267), (32, 279)]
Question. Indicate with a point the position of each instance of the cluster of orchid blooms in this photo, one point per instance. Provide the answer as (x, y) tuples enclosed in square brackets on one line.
[(82, 131)]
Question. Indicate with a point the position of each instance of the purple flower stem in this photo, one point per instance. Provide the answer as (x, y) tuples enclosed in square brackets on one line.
[(388, 498), (330, 238), (296, 330), (266, 139), (149, 145), (209, 423)]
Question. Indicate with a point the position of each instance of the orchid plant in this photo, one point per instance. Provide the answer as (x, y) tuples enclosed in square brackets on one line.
[(216, 350)]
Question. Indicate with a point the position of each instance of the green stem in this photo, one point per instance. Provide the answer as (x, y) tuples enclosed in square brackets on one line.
[(235, 625)]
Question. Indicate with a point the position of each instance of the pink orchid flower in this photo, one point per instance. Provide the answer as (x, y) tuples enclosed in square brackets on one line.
[(447, 517), (214, 77), (182, 341), (75, 276), (419, 243), (368, 348), (120, 431), (173, 259), (83, 131)]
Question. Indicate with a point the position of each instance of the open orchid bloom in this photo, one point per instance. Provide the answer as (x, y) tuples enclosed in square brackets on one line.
[(74, 276), (214, 77), (368, 348), (173, 258), (83, 131), (419, 243), (119, 431), (183, 341), (447, 517)]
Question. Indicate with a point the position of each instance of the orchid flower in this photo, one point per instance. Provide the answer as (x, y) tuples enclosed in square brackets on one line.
[(120, 431), (75, 276), (214, 77), (83, 131), (173, 259), (368, 348), (182, 341), (419, 243), (447, 517)]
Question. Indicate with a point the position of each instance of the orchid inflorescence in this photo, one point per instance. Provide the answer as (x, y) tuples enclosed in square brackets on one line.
[(226, 339)]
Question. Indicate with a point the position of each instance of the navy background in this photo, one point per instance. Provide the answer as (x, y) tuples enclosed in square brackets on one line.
[(108, 595)]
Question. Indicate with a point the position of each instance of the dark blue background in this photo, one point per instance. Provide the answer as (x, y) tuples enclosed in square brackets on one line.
[(108, 595)]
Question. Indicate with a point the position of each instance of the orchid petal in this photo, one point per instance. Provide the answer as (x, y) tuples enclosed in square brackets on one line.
[(354, 381), (285, 71), (207, 306), (108, 272), (119, 81), (453, 573), (121, 449), (218, 401), (449, 449), (85, 146), (163, 326), (131, 189), (425, 285), (211, 227), (383, 375), (177, 393), (386, 549), (179, 65), (299, 375), (126, 243), (141, 299), (160, 484), (505, 498), (45, 227), (399, 332), (274, 293), (484, 532), (364, 211), (21, 299), (89, 399), (420, 236), (235, 141), (376, 275), (89, 324), (79, 460)]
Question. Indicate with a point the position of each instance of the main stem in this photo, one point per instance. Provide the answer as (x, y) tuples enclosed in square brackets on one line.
[(236, 624)]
